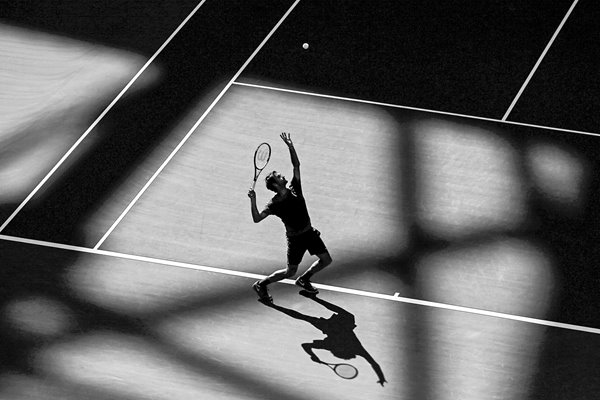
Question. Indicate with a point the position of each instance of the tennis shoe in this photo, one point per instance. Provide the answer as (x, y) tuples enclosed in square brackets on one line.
[(305, 284), (262, 291)]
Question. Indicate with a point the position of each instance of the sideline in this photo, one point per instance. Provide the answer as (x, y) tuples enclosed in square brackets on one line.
[(99, 118)]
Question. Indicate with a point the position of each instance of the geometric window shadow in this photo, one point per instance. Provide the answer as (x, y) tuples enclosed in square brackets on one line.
[(340, 338)]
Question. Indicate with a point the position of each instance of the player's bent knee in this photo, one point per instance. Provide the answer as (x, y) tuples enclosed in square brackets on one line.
[(325, 259)]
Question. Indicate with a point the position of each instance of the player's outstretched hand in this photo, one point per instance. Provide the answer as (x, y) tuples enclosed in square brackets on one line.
[(252, 194), (286, 137)]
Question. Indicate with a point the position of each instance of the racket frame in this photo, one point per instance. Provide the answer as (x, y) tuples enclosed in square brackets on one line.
[(258, 170), (334, 367)]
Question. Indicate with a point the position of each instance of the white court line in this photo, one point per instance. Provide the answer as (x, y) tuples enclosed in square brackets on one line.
[(187, 136), (93, 125), (377, 103), (224, 271), (539, 61)]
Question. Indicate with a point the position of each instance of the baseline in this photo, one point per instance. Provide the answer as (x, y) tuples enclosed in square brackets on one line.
[(331, 288)]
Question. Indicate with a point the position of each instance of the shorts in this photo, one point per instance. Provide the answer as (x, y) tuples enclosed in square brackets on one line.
[(298, 245)]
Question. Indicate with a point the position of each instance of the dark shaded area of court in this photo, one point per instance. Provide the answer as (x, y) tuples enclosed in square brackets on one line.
[(460, 57), (197, 64), (464, 57), (563, 93)]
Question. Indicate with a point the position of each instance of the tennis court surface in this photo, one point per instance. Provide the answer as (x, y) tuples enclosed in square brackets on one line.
[(449, 157)]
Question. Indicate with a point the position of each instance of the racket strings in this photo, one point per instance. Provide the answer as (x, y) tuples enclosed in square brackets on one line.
[(263, 155), (346, 371), (261, 158)]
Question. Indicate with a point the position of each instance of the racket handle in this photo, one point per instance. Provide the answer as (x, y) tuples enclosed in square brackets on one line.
[(253, 184)]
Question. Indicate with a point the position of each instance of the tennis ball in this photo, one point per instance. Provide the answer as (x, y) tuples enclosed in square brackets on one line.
[(305, 46)]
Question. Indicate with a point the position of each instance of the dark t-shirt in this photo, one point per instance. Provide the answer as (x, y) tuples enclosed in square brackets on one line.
[(291, 208)]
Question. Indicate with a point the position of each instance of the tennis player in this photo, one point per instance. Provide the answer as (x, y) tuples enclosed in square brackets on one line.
[(289, 205)]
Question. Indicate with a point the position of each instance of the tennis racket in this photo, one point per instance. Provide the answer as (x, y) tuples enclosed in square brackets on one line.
[(346, 371), (261, 159)]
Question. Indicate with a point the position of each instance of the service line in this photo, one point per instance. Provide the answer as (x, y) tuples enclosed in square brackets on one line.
[(426, 110)]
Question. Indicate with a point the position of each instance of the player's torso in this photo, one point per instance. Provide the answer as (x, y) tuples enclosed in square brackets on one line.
[(292, 210)]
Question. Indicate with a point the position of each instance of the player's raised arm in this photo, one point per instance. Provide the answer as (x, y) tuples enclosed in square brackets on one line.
[(286, 137)]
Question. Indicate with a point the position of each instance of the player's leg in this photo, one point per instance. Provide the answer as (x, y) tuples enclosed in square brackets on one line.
[(308, 348), (295, 252), (317, 247), (287, 272), (260, 287), (324, 259)]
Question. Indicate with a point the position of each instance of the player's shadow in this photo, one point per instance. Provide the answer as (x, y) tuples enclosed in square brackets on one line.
[(340, 338)]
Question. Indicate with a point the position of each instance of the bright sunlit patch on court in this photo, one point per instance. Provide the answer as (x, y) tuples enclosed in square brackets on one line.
[(38, 316), (201, 333), (348, 154), (132, 367), (468, 180), (499, 274), (230, 338), (197, 211), (558, 174), (474, 358), (21, 387), (471, 189), (506, 275), (52, 90), (139, 288)]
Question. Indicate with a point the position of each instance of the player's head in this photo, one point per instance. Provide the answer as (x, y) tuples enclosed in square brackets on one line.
[(275, 180)]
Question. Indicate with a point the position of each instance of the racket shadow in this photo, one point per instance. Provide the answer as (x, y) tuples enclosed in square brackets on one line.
[(340, 340)]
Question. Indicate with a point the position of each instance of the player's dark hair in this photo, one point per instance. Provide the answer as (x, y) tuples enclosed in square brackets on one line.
[(270, 180)]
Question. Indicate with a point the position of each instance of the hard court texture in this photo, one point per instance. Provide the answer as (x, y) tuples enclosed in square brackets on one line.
[(461, 217)]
